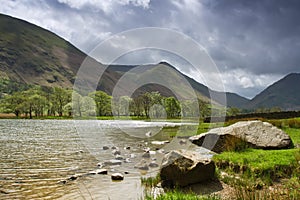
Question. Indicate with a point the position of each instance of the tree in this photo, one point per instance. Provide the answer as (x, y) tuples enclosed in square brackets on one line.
[(124, 102), (204, 109), (172, 107), (88, 106), (76, 104), (136, 106), (146, 101), (103, 102), (233, 111), (60, 97), (13, 103)]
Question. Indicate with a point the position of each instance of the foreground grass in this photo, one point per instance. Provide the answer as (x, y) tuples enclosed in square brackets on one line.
[(258, 159), (178, 195)]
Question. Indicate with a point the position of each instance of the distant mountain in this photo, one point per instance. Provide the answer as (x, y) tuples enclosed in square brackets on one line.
[(285, 94), (32, 55), (232, 99)]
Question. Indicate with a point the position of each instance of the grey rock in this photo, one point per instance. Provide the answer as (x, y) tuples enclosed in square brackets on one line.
[(184, 167), (255, 134)]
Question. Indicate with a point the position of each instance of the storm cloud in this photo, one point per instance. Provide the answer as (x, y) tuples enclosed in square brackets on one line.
[(253, 43)]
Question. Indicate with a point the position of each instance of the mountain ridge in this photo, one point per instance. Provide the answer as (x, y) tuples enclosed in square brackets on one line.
[(283, 93), (32, 55)]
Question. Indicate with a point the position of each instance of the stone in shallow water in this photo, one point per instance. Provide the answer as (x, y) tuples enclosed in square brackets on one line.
[(153, 164), (146, 155), (116, 152), (113, 162), (117, 177), (105, 147), (102, 171)]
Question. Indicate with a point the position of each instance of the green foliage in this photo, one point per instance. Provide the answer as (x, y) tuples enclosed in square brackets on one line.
[(172, 107), (178, 195), (103, 103), (150, 181)]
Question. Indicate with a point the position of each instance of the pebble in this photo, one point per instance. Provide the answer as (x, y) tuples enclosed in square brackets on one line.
[(127, 160), (73, 177), (143, 167), (118, 157), (117, 177), (152, 152), (182, 142), (132, 155), (146, 155), (116, 152), (114, 147), (62, 182), (105, 148), (153, 164), (102, 171), (160, 142)]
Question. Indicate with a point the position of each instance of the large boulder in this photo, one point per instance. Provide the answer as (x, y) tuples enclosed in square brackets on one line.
[(255, 134), (184, 167)]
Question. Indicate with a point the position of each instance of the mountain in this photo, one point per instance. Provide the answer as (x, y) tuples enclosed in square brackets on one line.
[(284, 93), (232, 99), (32, 55)]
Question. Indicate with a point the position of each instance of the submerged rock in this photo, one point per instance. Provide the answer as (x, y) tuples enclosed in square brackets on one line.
[(142, 165), (184, 167), (146, 155), (113, 162), (153, 164), (255, 134)]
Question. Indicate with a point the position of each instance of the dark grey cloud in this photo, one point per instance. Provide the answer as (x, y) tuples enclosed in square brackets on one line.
[(253, 43)]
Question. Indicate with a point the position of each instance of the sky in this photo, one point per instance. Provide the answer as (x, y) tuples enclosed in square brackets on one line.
[(253, 43)]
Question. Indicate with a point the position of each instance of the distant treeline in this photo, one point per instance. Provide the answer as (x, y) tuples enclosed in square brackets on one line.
[(269, 115), (43, 101)]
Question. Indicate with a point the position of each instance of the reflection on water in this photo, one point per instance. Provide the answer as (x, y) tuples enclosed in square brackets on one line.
[(37, 154)]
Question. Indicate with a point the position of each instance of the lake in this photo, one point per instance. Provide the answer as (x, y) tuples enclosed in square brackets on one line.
[(37, 155)]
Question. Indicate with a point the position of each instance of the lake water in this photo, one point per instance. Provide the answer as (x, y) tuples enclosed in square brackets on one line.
[(36, 155)]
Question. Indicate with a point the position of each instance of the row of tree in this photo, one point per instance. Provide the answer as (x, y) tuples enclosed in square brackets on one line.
[(40, 101)]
